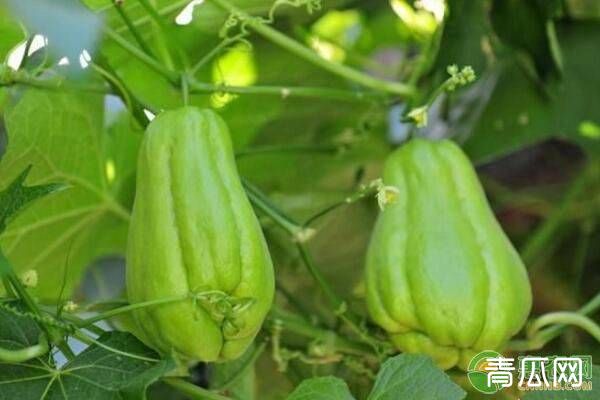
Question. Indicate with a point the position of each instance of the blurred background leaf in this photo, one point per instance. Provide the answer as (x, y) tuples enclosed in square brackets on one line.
[(62, 136), (78, 29)]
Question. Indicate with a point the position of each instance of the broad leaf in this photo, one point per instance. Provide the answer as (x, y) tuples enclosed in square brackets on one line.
[(61, 136), (10, 33), (414, 377), (69, 27), (16, 196), (97, 373), (325, 388), (17, 331), (521, 112)]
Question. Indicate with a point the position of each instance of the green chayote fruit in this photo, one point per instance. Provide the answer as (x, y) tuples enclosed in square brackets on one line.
[(442, 277), (194, 236)]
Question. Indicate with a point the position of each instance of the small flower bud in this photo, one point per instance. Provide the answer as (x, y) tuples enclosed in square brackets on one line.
[(304, 235), (419, 116), (30, 278), (70, 306), (387, 195)]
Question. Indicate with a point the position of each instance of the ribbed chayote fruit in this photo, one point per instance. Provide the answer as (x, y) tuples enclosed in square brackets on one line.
[(194, 238), (442, 277)]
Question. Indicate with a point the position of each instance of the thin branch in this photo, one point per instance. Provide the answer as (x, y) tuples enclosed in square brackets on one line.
[(566, 318), (300, 327), (27, 353), (104, 68), (288, 91), (263, 203), (545, 335), (118, 5), (300, 234), (170, 75), (128, 308), (309, 55), (54, 84), (79, 335), (213, 53), (163, 39), (277, 149)]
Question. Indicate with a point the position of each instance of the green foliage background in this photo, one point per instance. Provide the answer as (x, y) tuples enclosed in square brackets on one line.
[(531, 123)]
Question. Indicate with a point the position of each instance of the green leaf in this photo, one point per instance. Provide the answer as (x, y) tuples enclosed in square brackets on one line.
[(528, 26), (520, 112), (135, 11), (246, 117), (17, 330), (16, 196), (414, 377), (69, 26), (96, 373), (593, 394), (10, 33), (324, 388), (466, 28), (61, 135)]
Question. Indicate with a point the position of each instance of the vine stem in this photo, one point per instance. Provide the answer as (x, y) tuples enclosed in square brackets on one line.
[(164, 42), (300, 327), (309, 55), (151, 62), (566, 318), (91, 341), (128, 308), (299, 234), (252, 151), (297, 304), (296, 230), (263, 203), (204, 88), (27, 353), (75, 320), (427, 55), (590, 307), (105, 70), (193, 391), (53, 334), (360, 194), (545, 335), (287, 91), (54, 84), (211, 54), (132, 29), (304, 34)]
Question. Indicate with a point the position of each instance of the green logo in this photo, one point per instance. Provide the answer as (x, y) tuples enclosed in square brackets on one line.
[(478, 373)]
